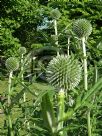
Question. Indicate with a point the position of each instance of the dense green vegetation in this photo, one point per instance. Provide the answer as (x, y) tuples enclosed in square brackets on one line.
[(51, 68)]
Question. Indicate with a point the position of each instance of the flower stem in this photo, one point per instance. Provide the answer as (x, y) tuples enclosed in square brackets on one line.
[(56, 35), (85, 64), (22, 78), (10, 130), (61, 105), (86, 84), (96, 74), (68, 46), (88, 122)]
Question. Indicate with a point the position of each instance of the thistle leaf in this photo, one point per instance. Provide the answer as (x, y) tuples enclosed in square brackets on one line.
[(48, 114)]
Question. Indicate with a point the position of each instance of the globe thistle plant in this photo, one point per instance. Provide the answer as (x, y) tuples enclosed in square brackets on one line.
[(82, 28), (55, 14), (12, 65), (22, 51), (63, 72)]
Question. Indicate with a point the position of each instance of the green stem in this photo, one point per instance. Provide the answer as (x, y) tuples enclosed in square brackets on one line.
[(24, 95), (61, 107), (9, 88), (56, 35), (68, 46), (96, 74), (88, 122), (85, 64), (96, 79), (22, 78), (22, 67), (10, 130), (86, 84)]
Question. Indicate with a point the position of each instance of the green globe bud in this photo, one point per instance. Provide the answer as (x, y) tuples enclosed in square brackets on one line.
[(12, 64), (22, 50), (64, 72), (55, 14), (82, 28)]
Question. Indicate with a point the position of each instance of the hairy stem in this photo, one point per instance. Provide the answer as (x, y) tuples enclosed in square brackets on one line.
[(96, 74), (10, 130), (89, 122), (85, 64), (68, 46), (61, 107), (86, 84), (9, 87), (24, 95), (22, 78), (56, 35)]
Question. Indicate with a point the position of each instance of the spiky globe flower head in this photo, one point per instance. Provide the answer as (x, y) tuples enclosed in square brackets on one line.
[(22, 50), (12, 64), (64, 72), (55, 14), (82, 28)]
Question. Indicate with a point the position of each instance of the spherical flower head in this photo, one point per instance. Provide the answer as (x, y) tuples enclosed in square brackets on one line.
[(22, 50), (12, 64), (82, 28), (64, 72), (55, 14)]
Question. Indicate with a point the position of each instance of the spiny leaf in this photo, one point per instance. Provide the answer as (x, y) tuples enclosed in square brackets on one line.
[(48, 113)]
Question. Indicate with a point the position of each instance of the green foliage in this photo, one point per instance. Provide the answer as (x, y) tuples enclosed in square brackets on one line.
[(9, 44)]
